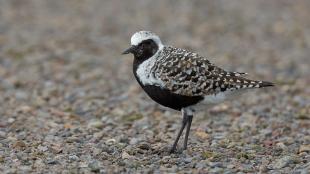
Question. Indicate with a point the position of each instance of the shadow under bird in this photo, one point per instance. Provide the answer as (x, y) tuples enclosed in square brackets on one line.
[(182, 80)]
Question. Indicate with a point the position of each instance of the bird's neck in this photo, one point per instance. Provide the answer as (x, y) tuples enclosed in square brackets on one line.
[(136, 63), (138, 60), (134, 69)]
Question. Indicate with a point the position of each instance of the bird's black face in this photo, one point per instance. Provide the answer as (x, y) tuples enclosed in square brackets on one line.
[(144, 50)]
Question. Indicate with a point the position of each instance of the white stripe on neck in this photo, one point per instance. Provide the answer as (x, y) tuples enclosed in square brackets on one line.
[(144, 71)]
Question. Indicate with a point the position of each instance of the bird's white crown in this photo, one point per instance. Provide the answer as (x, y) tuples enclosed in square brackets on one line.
[(141, 36)]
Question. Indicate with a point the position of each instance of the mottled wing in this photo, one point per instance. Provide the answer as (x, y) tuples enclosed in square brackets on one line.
[(190, 74)]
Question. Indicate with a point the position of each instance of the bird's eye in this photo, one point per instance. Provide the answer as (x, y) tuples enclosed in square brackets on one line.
[(147, 42)]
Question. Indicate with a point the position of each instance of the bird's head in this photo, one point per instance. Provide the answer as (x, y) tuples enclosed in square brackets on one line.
[(144, 44)]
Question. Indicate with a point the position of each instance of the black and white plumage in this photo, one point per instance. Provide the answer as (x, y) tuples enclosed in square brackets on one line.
[(182, 80)]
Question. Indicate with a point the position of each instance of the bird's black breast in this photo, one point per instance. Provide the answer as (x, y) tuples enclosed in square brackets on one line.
[(169, 99), (164, 96)]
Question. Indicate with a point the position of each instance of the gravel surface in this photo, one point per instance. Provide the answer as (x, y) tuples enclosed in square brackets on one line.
[(69, 102)]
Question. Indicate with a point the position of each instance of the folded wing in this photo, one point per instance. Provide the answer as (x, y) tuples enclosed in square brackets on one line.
[(190, 74)]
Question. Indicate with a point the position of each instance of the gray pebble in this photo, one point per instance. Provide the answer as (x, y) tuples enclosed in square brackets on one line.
[(94, 166), (2, 134), (52, 161), (283, 162), (73, 158), (144, 146), (188, 160), (95, 124)]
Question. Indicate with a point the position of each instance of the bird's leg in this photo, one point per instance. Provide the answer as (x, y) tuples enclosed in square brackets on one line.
[(184, 121), (189, 123)]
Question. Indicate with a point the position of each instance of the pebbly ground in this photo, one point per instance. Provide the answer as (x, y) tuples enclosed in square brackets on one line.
[(69, 102)]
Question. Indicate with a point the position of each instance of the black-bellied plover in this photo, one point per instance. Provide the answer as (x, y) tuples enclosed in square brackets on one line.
[(181, 79)]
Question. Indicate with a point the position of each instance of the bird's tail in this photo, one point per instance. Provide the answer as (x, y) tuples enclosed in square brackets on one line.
[(262, 84), (242, 83), (257, 84)]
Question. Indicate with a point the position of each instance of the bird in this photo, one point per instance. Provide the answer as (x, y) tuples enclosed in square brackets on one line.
[(183, 80)]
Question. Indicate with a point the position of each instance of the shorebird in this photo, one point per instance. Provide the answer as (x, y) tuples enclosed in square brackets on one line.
[(182, 80)]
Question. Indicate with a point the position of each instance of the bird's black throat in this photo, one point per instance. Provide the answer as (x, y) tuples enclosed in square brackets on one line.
[(144, 51)]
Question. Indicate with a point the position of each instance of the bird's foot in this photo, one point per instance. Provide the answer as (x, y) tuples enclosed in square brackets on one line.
[(172, 150), (176, 151)]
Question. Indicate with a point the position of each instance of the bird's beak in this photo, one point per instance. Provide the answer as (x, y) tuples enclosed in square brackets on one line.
[(130, 50)]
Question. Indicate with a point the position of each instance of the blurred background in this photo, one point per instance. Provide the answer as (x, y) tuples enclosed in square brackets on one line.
[(62, 77)]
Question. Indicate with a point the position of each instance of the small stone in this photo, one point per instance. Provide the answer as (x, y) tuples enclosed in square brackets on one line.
[(263, 168), (59, 112), (39, 163), (24, 109), (56, 148), (215, 164), (231, 166), (42, 148), (97, 151), (104, 156), (2, 134), (266, 132), (245, 121), (11, 120), (124, 140), (188, 160), (110, 141), (134, 141), (118, 112), (281, 146), (98, 135), (73, 139), (108, 149), (132, 117), (39, 101), (11, 138), (125, 155), (144, 146), (202, 164), (21, 95), (165, 159), (94, 166), (52, 161), (219, 108), (68, 126), (305, 171), (73, 158), (83, 165), (95, 124), (304, 148), (202, 135), (208, 154), (303, 114), (216, 170), (19, 144), (283, 162)]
